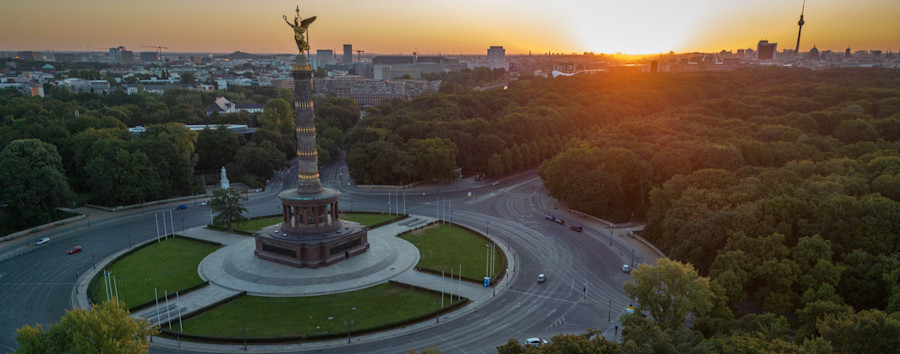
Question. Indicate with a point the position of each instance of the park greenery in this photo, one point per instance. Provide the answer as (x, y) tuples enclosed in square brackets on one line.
[(167, 266), (310, 316), (34, 184), (79, 142), (105, 328), (780, 185), (445, 249)]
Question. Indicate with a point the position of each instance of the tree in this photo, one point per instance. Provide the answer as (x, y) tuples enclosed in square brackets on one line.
[(809, 315), (869, 331), (512, 346), (643, 335), (669, 291), (217, 147), (187, 79), (229, 204), (170, 148), (259, 161), (32, 182), (107, 328), (435, 158), (122, 178), (588, 342), (277, 116)]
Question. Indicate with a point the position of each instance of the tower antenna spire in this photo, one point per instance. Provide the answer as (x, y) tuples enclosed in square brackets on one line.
[(802, 10)]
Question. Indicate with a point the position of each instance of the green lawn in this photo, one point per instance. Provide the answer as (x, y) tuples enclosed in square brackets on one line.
[(366, 219), (169, 265), (369, 219), (252, 226), (442, 247), (267, 317)]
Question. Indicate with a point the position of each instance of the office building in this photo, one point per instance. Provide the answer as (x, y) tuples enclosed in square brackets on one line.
[(766, 50), (348, 53), (149, 57), (496, 58), (325, 57)]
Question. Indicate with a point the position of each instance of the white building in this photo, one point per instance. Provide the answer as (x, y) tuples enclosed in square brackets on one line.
[(223, 106), (81, 85)]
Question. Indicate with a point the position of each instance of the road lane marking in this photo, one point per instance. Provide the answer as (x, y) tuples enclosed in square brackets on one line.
[(542, 296)]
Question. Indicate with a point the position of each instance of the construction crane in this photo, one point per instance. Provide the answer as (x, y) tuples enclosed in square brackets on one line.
[(359, 54)]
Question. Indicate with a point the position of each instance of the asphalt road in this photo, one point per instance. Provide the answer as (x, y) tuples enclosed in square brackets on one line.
[(583, 277)]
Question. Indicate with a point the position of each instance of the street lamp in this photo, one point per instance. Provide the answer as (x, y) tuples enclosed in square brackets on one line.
[(348, 329), (244, 331), (348, 325), (437, 313)]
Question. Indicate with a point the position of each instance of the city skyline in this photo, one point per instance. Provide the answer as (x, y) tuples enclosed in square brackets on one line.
[(464, 27)]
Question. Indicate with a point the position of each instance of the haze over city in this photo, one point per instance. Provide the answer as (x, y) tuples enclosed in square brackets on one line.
[(459, 27)]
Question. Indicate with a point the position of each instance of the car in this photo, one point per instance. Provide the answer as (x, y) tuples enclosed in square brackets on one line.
[(559, 221), (535, 342), (42, 241), (626, 268), (576, 228), (550, 217), (75, 249), (181, 207), (495, 183), (205, 202), (541, 278)]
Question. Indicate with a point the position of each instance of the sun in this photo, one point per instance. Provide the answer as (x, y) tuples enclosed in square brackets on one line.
[(629, 27)]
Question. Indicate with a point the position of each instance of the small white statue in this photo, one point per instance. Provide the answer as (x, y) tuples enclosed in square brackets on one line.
[(224, 181)]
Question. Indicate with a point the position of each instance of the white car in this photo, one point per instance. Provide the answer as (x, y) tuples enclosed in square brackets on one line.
[(626, 268), (42, 241), (535, 342), (541, 278)]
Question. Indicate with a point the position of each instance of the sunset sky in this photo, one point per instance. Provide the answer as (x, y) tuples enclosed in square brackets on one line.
[(448, 27)]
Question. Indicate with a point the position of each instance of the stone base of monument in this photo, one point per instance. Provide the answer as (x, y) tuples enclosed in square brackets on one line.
[(311, 251), (311, 234)]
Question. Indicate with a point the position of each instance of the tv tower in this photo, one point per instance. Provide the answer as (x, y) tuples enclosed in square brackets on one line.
[(797, 48)]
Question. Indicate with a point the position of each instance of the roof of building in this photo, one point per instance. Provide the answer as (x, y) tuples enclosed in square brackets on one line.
[(223, 105)]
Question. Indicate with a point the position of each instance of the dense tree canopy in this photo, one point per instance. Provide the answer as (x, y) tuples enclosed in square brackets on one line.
[(779, 184), (32, 182), (109, 165)]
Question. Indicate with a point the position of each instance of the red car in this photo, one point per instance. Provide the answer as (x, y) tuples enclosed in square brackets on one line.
[(75, 249)]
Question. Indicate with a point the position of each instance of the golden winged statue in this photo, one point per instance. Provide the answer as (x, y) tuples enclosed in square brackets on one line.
[(300, 27)]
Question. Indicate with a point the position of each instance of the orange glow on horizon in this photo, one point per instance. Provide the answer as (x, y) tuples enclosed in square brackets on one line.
[(461, 27)]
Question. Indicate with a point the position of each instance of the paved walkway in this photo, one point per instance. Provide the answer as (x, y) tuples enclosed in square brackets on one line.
[(235, 267), (402, 257)]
